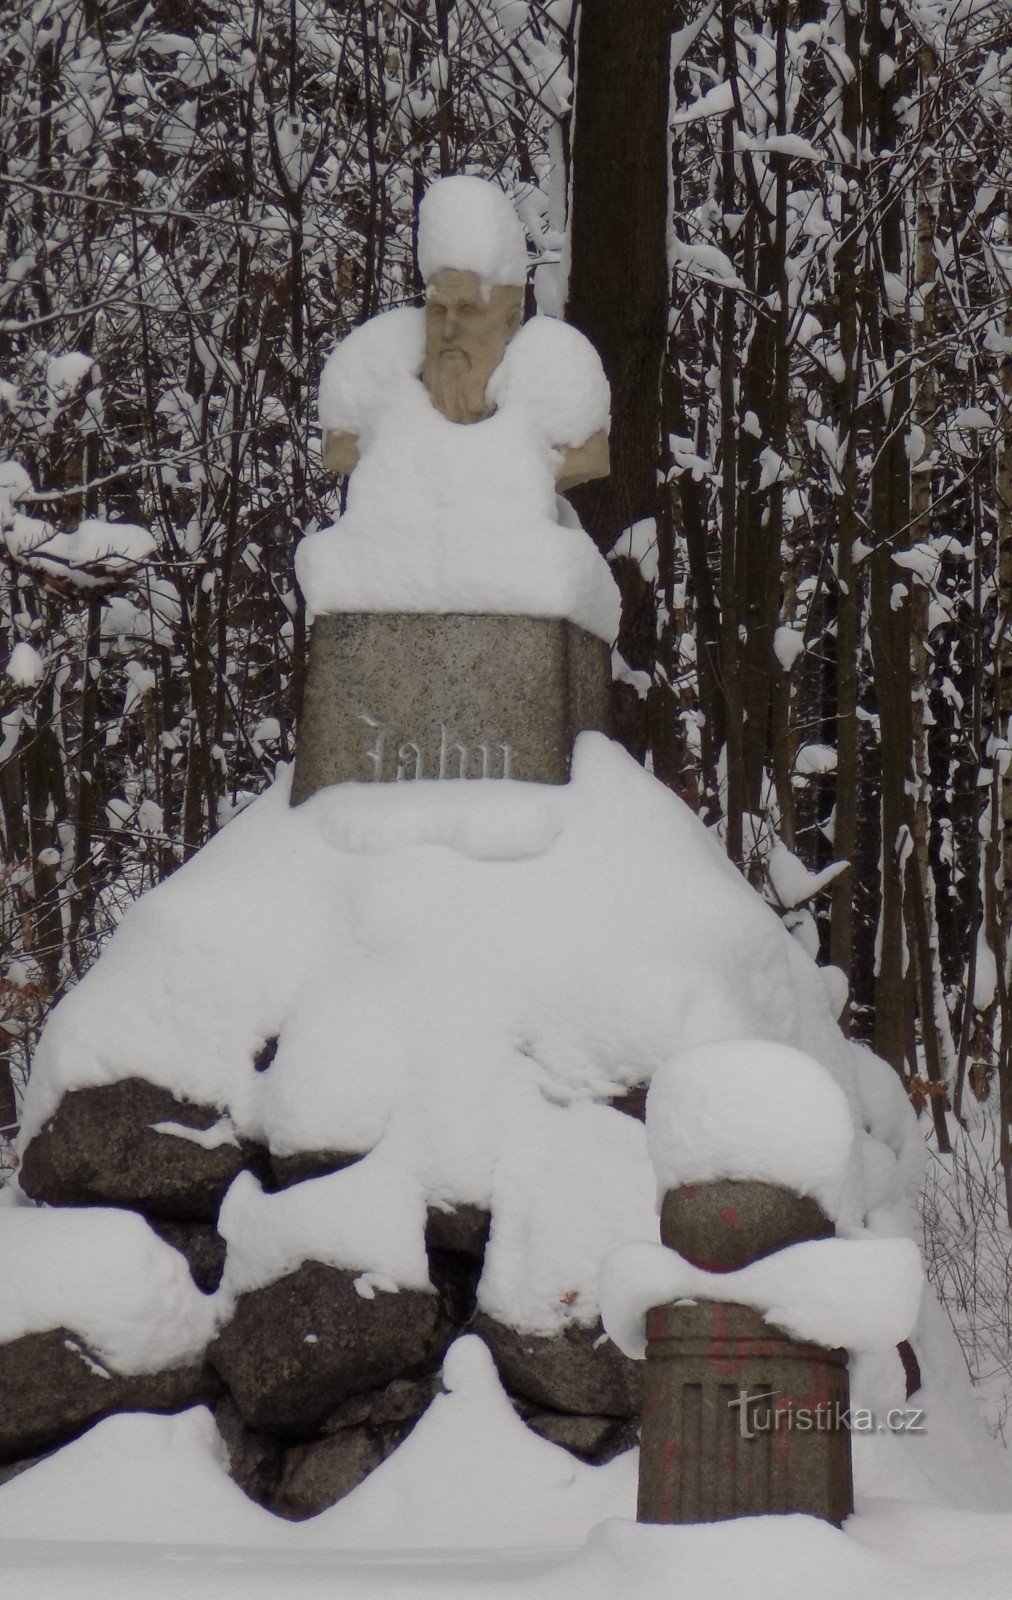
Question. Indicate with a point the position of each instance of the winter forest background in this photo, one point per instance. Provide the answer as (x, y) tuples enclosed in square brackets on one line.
[(798, 277)]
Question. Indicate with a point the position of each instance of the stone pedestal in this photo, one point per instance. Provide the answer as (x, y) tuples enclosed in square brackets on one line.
[(739, 1420), (400, 696)]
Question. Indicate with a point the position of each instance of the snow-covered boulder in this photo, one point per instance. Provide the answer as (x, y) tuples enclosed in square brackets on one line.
[(134, 1143), (98, 1315)]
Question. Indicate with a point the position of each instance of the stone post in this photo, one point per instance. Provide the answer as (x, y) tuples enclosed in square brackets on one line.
[(738, 1419)]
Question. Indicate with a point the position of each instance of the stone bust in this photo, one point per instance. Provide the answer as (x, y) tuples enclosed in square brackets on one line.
[(470, 318)]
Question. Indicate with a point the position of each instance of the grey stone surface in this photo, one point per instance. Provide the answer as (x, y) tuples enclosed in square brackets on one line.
[(203, 1247), (288, 1170), (296, 1349), (99, 1148), (401, 695), (697, 1462), (464, 1229), (52, 1387), (728, 1224), (578, 1371), (594, 1439), (297, 1480), (316, 1475)]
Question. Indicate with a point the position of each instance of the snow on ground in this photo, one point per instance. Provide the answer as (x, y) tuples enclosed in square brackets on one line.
[(472, 1504), (473, 1066)]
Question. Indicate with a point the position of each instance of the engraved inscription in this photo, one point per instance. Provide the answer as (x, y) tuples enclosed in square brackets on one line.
[(375, 755), (454, 758), (411, 751)]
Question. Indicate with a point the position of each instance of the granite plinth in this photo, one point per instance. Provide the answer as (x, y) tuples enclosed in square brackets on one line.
[(739, 1420), (397, 696)]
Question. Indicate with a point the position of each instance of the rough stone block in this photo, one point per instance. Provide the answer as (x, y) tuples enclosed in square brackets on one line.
[(52, 1386), (578, 1371), (594, 1439), (100, 1148), (397, 696), (297, 1348), (728, 1224)]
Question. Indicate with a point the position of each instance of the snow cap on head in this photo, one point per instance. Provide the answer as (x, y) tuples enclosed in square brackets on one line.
[(469, 224)]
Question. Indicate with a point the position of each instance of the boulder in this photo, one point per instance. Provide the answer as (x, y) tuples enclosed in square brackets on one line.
[(300, 1480), (316, 1475), (731, 1222), (52, 1387), (100, 1148), (288, 1170), (463, 1229), (203, 1247), (293, 1351), (593, 1439), (578, 1371), (455, 1243)]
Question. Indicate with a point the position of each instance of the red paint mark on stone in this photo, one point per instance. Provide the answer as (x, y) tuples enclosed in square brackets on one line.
[(730, 1216)]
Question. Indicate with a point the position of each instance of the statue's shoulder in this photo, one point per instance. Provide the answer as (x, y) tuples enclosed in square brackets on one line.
[(360, 373), (554, 373)]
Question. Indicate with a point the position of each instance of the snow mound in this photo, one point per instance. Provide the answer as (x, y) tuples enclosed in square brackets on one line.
[(751, 1109), (459, 981), (855, 1294), (107, 1277), (447, 517), (468, 224)]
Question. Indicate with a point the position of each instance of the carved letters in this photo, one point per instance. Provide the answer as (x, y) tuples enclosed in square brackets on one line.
[(451, 759)]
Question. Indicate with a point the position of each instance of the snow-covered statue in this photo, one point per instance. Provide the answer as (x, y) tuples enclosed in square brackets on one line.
[(458, 425)]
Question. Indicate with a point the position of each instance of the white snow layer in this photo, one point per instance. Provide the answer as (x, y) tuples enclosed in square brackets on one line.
[(25, 667), (95, 551), (450, 517), (469, 224), (857, 1294), (751, 1109), (460, 976), (106, 1277)]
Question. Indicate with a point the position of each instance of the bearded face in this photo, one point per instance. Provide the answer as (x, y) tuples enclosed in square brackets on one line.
[(466, 337)]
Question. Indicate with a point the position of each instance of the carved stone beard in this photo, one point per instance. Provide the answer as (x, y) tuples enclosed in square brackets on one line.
[(454, 387)]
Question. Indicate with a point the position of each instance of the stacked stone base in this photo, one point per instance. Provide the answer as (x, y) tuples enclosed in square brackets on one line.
[(312, 1385)]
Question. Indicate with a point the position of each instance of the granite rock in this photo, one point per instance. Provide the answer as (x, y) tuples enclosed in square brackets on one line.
[(396, 695), (293, 1351), (203, 1247), (99, 1148), (578, 1371), (288, 1170), (593, 1439), (298, 1480), (52, 1387), (727, 1224)]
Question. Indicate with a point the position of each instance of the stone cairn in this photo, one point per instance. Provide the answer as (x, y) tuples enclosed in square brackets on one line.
[(304, 1422)]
